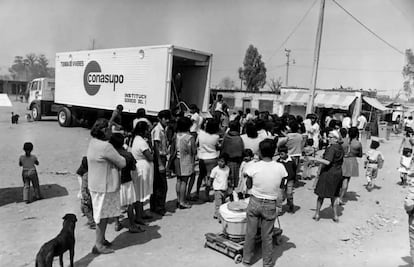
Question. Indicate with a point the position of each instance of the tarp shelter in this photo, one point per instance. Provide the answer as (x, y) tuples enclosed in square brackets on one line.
[(335, 101), (5, 101), (374, 103), (322, 100)]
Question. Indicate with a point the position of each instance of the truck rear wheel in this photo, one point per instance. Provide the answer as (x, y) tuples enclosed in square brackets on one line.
[(64, 117), (36, 113)]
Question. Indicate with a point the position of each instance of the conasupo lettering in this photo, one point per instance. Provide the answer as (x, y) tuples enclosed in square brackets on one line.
[(105, 78)]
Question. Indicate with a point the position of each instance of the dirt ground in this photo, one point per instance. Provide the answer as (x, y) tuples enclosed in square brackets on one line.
[(372, 230)]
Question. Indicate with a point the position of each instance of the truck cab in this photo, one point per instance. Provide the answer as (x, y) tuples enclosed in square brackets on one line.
[(41, 97)]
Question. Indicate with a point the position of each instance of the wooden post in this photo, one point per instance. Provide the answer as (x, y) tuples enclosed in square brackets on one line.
[(310, 106)]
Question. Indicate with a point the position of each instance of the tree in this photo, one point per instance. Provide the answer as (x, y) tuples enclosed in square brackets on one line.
[(408, 73), (42, 63), (17, 69), (31, 67), (227, 83), (275, 85), (253, 72)]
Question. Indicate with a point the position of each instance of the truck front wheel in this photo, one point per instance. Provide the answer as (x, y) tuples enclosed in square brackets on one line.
[(36, 113), (64, 117)]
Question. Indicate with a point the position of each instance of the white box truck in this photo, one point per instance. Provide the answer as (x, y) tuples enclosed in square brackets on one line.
[(90, 84), (41, 97)]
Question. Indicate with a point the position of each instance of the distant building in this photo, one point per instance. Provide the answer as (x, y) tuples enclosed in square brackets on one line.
[(12, 86), (294, 100)]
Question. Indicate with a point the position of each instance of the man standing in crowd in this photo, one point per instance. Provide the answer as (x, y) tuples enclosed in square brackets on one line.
[(160, 187), (115, 122), (219, 107), (294, 142), (362, 123), (312, 129), (346, 121), (196, 119), (328, 119), (249, 115), (263, 178)]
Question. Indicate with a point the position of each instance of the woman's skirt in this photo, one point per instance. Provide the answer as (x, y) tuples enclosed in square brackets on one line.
[(329, 183), (105, 205), (144, 182), (350, 167), (128, 195)]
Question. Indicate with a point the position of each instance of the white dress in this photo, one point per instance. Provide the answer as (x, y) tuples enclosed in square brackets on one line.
[(128, 195), (105, 205), (143, 184), (406, 162), (315, 135)]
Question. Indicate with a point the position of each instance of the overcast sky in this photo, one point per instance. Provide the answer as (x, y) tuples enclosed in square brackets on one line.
[(350, 55)]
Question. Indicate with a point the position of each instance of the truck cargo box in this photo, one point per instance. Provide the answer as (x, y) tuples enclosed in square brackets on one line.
[(151, 77)]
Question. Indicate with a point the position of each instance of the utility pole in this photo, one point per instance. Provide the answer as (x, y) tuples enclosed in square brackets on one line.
[(309, 107), (287, 51)]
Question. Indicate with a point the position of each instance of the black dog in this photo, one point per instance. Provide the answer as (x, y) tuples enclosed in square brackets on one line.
[(15, 118), (65, 240)]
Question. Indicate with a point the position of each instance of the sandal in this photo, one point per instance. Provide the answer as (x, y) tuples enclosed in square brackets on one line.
[(316, 218), (184, 206)]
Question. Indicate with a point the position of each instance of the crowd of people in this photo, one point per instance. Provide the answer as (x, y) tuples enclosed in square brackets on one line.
[(259, 156)]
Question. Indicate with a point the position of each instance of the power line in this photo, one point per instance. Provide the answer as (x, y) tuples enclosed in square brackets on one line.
[(347, 69), (293, 31), (368, 29), (275, 67)]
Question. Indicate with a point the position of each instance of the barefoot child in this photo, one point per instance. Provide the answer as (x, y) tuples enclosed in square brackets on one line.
[(29, 173), (409, 208), (407, 140), (290, 166), (241, 190), (405, 164), (308, 165), (219, 177), (373, 162), (86, 199)]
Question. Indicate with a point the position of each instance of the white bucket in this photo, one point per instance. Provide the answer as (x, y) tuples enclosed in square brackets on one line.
[(234, 223)]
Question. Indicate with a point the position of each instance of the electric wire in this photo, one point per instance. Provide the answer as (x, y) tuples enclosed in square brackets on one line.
[(347, 69), (368, 29), (293, 31)]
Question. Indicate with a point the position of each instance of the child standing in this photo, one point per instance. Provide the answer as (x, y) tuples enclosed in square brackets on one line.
[(248, 159), (127, 191), (290, 166), (405, 164), (373, 162), (29, 173), (308, 165), (219, 177), (409, 208), (408, 140), (86, 199)]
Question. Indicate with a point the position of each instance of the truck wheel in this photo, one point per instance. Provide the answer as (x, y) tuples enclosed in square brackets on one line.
[(36, 113), (64, 117), (238, 259)]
